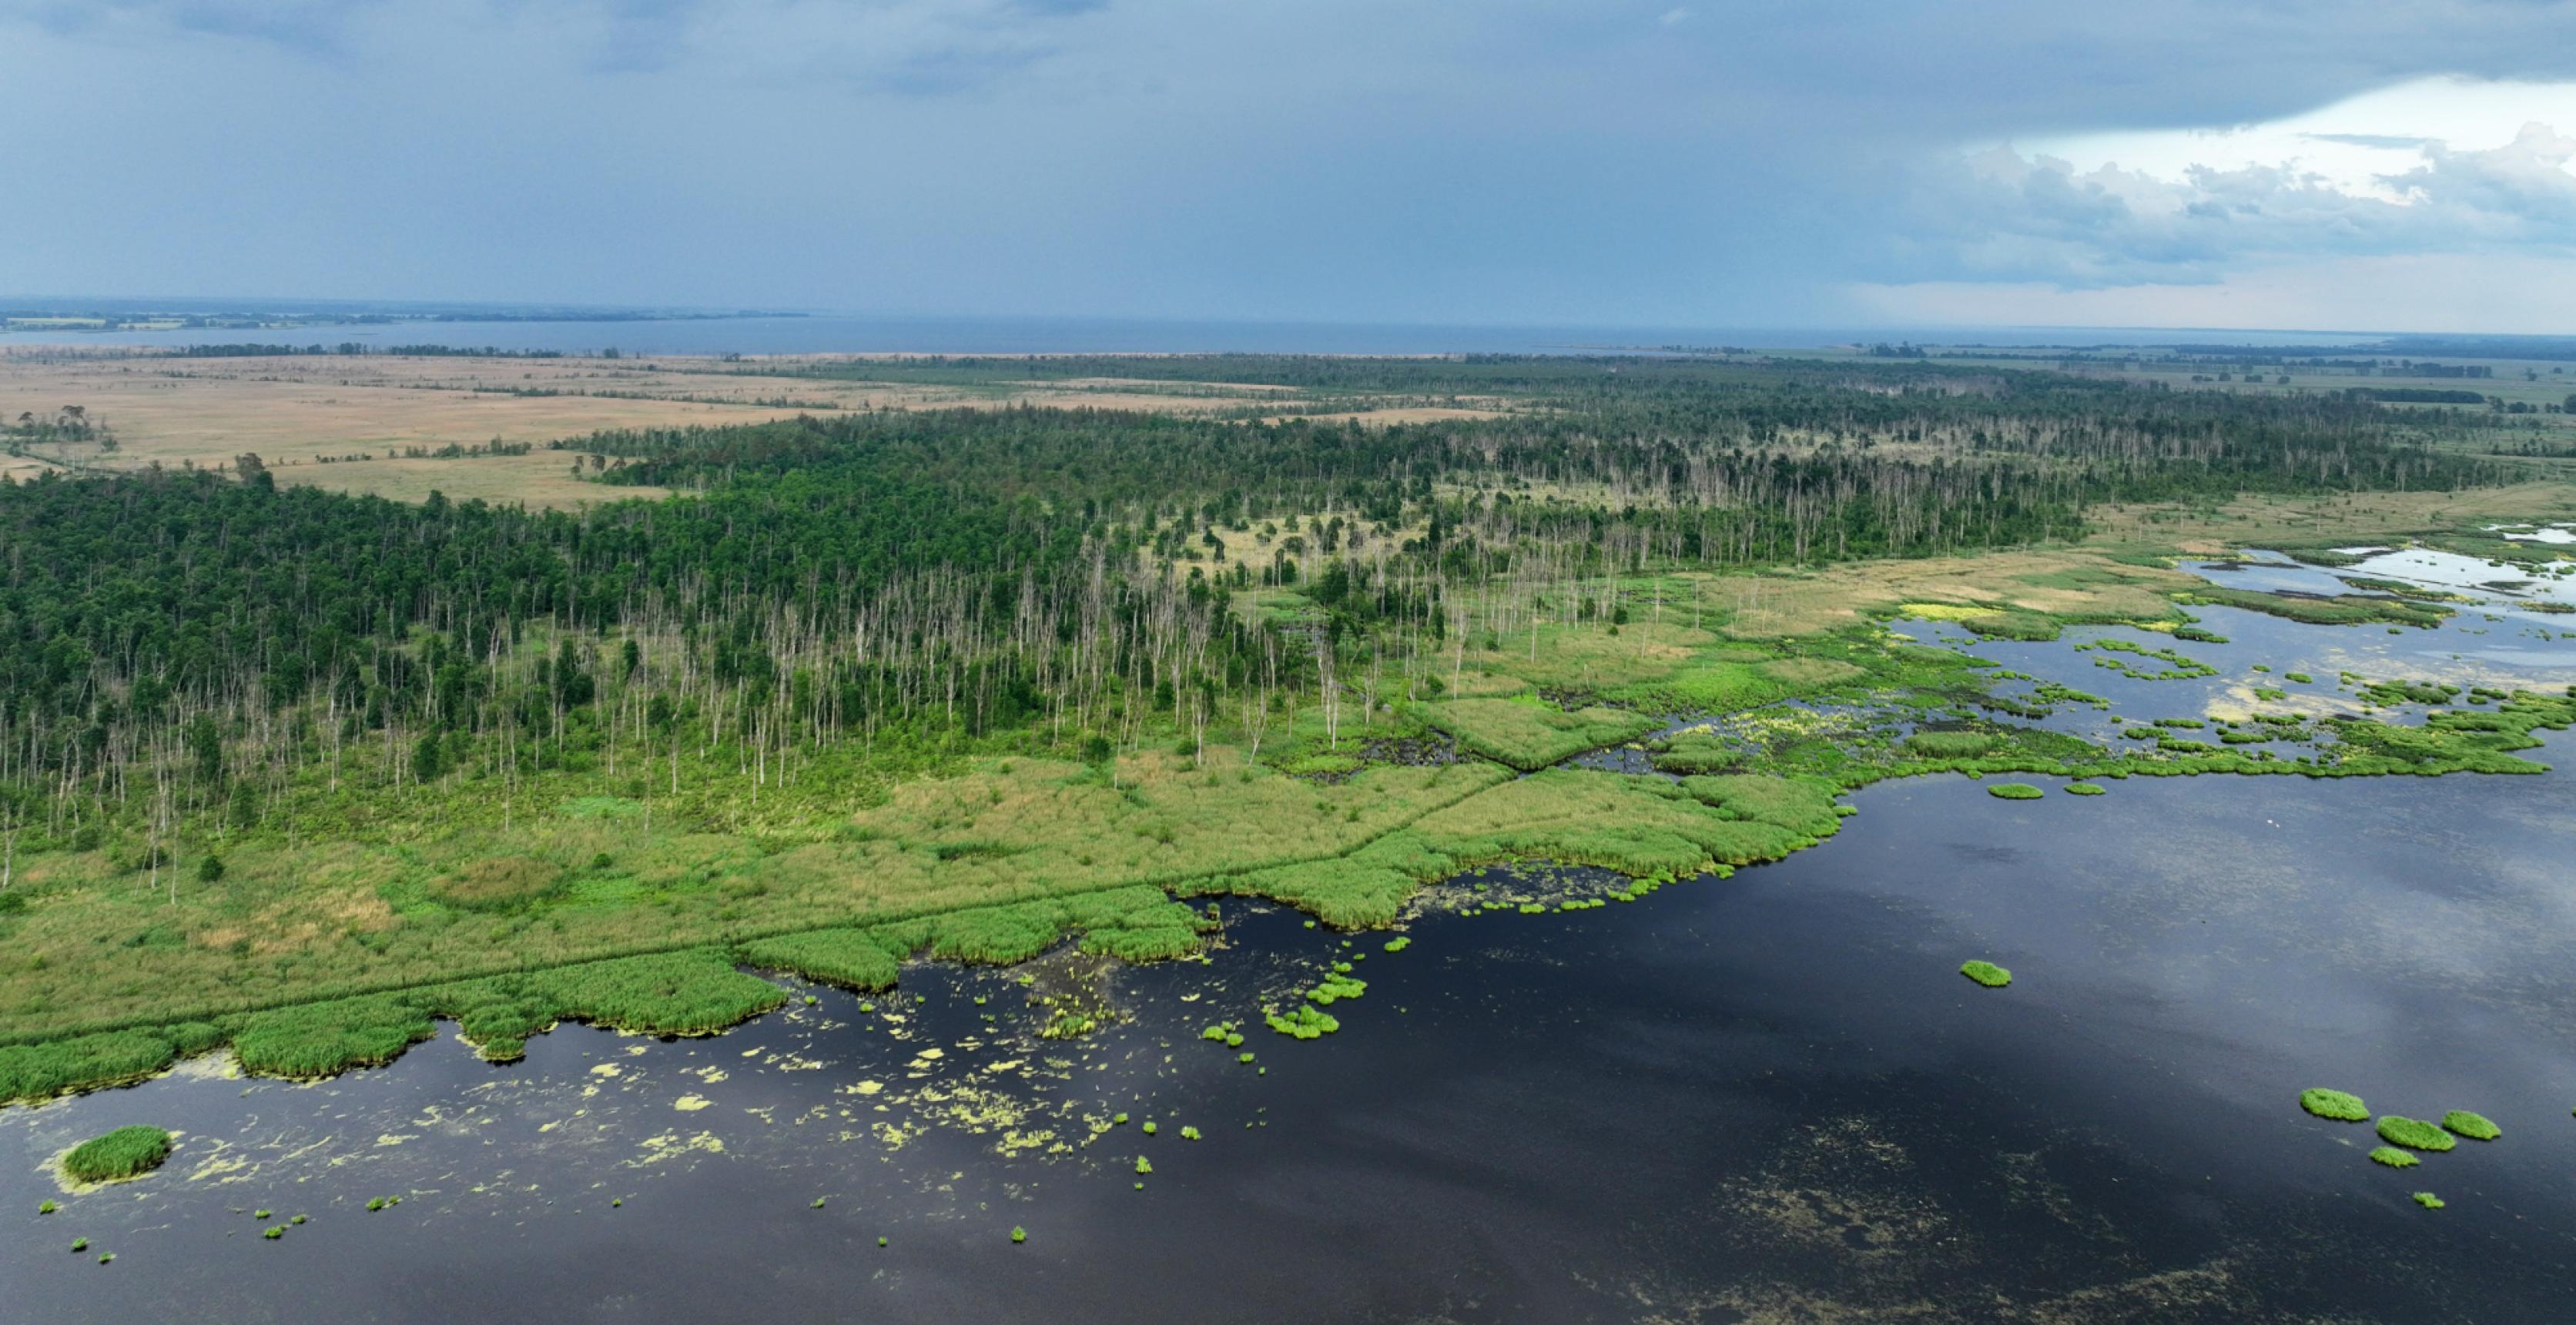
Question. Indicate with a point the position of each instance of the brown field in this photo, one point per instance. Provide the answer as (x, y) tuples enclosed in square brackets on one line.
[(361, 424)]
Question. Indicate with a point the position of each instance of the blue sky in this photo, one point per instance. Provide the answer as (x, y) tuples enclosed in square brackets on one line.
[(1771, 163)]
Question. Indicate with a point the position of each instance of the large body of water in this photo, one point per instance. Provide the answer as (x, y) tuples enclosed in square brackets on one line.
[(841, 334), (1764, 1098)]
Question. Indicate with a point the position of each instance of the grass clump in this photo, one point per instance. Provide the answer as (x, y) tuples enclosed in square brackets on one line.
[(2428, 1200), (500, 883), (2473, 1126), (127, 1152), (1398, 944), (2394, 1158), (2335, 1104), (2413, 1133), (1189, 1134), (2083, 789), (850, 958), (2015, 791), (1950, 745), (1529, 735), (275, 1231), (1019, 1234), (46, 1208), (1986, 973)]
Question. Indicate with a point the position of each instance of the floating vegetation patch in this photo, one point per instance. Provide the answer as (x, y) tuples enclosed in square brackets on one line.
[(1305, 1022), (127, 1152), (2428, 1200), (2015, 791), (2082, 789), (1986, 973), (2335, 1104), (2318, 610), (2394, 1158), (2473, 1126), (2176, 666), (2414, 1134), (1399, 943)]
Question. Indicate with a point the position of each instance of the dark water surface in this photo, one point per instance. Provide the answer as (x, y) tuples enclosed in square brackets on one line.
[(1769, 1097)]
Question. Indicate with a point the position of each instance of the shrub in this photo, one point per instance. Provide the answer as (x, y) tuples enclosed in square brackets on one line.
[(127, 1152), (2334, 1104)]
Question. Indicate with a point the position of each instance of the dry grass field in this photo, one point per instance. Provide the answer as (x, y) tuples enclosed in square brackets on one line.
[(357, 424)]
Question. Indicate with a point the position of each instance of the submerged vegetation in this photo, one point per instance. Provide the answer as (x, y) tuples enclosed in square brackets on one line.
[(127, 1152)]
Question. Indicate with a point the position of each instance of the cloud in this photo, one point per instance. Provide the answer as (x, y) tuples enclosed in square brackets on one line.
[(1599, 161), (1997, 215)]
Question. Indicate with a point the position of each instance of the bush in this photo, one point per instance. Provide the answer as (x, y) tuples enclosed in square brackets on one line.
[(127, 1152)]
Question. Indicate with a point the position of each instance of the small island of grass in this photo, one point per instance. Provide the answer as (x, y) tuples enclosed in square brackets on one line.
[(2015, 791), (2334, 1104), (2414, 1134), (2394, 1158), (1986, 973), (2428, 1200), (127, 1152), (2473, 1126), (2083, 789)]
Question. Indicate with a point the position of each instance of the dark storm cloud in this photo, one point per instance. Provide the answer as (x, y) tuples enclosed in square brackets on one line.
[(1593, 160)]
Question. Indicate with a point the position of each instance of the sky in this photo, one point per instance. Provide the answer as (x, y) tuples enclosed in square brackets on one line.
[(2359, 165)]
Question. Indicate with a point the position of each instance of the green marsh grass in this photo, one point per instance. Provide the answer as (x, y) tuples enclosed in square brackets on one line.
[(1019, 1234), (2414, 1133), (2428, 1200), (2083, 789), (2015, 791), (2473, 1126), (1986, 973), (2335, 1104), (2394, 1157), (127, 1152)]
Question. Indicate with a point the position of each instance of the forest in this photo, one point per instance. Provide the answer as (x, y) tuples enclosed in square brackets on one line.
[(182, 650)]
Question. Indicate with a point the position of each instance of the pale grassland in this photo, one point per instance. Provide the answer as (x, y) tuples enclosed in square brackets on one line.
[(297, 412)]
